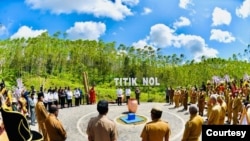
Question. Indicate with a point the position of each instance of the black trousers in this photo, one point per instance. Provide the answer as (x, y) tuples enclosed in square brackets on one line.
[(49, 104), (127, 98), (138, 99), (62, 100), (119, 101), (77, 101), (69, 102)]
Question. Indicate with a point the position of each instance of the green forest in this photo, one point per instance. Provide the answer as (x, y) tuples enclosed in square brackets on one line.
[(53, 61)]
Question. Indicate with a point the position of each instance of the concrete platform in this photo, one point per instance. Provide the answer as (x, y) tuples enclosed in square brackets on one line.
[(75, 120)]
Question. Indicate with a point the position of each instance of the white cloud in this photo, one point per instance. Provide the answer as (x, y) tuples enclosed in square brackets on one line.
[(130, 2), (3, 30), (140, 44), (99, 8), (27, 32), (244, 10), (146, 11), (221, 36), (163, 36), (86, 30), (183, 21), (197, 46), (221, 17), (185, 3)]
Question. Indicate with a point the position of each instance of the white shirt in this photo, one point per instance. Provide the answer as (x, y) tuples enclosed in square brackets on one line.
[(46, 97), (119, 92), (69, 95), (77, 93), (50, 97), (128, 92), (55, 96)]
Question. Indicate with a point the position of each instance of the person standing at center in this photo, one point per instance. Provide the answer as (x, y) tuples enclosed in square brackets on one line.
[(128, 93), (101, 128), (156, 130)]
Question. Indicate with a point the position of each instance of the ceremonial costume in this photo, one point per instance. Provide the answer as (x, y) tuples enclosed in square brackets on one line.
[(23, 103), (92, 95)]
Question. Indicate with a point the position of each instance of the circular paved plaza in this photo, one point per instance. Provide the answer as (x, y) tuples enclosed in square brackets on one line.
[(75, 120)]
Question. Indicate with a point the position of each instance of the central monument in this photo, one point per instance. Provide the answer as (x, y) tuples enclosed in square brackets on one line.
[(131, 117)]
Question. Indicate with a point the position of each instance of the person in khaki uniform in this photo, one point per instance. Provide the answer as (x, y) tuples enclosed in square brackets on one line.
[(101, 128), (193, 126), (223, 106), (182, 93), (171, 96), (201, 102), (177, 95), (230, 108), (41, 115), (193, 96), (214, 116), (185, 100), (209, 108), (156, 130), (236, 108), (54, 127)]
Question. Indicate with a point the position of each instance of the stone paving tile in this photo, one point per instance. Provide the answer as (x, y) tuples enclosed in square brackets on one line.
[(75, 120)]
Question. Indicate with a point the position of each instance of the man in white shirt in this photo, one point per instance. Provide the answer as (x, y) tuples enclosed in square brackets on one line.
[(77, 96), (119, 95), (128, 93)]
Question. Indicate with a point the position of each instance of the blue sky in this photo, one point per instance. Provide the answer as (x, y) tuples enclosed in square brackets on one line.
[(195, 28)]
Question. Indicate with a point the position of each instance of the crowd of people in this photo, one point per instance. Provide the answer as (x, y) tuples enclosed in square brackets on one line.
[(43, 106), (229, 98), (221, 103)]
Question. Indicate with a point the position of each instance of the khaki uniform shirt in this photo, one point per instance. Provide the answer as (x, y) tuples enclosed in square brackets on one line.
[(55, 129), (101, 128), (214, 117), (41, 112), (155, 130), (193, 128), (223, 112)]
